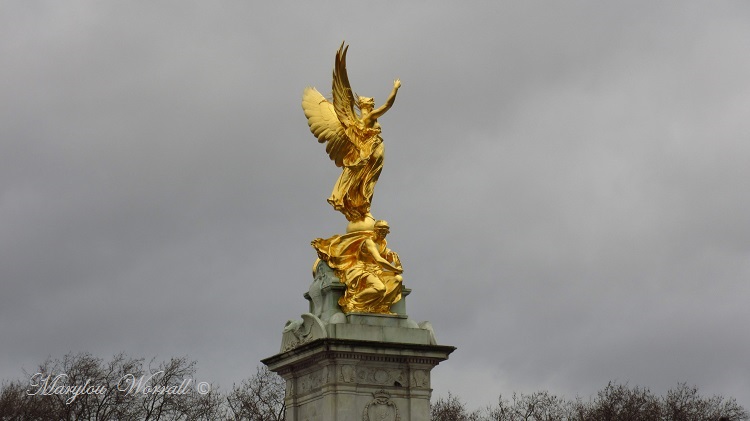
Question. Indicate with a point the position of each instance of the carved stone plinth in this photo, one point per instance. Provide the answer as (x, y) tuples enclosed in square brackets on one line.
[(344, 380), (356, 366)]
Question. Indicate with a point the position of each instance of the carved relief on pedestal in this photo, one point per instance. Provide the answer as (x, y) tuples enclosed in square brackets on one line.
[(381, 408), (311, 381), (347, 374), (420, 378), (289, 392), (316, 379), (382, 376), (303, 384), (398, 378)]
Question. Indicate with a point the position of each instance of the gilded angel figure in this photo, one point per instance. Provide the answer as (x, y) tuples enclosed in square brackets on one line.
[(350, 127)]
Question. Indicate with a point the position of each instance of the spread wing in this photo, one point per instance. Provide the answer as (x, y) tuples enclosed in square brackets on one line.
[(326, 126), (343, 97)]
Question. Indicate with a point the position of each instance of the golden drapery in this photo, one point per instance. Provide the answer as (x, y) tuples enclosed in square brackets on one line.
[(352, 193), (369, 287)]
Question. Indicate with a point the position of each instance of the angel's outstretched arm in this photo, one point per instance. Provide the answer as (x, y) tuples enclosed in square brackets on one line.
[(391, 99)]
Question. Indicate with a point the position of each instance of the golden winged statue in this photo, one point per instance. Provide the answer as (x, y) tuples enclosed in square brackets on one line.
[(349, 127)]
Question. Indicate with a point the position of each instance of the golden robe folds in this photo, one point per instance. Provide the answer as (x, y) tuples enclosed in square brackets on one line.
[(369, 287)]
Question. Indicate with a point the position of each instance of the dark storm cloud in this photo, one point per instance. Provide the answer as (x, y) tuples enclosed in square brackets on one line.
[(575, 169)]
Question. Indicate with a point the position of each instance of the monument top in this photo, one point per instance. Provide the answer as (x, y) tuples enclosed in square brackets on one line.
[(360, 258), (355, 354), (349, 127)]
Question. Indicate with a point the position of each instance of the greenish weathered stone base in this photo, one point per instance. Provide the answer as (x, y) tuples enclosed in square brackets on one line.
[(356, 366), (344, 380), (379, 333)]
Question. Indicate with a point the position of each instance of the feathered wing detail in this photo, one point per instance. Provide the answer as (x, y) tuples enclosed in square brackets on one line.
[(343, 96), (325, 125), (338, 124)]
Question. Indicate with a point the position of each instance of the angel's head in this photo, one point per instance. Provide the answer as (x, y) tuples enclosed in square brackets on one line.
[(366, 103)]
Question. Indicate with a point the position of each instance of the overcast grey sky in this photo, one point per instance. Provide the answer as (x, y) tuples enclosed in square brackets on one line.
[(566, 183)]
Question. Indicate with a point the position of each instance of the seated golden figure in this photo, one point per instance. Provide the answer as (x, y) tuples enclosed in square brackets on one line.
[(369, 269)]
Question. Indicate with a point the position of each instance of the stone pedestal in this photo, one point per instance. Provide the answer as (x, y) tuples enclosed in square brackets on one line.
[(346, 367)]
